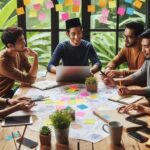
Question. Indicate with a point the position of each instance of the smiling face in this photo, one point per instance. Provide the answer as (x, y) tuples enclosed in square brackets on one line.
[(75, 35), (146, 47), (130, 38)]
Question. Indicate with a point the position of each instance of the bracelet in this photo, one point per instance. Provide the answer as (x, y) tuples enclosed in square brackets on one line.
[(7, 101)]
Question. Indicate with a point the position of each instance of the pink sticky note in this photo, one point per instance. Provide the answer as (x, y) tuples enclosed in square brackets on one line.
[(80, 113), (49, 4), (105, 12), (60, 107), (42, 16), (84, 94), (37, 7), (77, 2), (121, 11), (103, 20)]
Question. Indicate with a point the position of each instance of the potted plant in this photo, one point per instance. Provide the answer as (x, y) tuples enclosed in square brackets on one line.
[(45, 136), (61, 120), (91, 84)]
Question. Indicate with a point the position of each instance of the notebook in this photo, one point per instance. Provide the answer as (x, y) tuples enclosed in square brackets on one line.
[(72, 73), (125, 99), (45, 84)]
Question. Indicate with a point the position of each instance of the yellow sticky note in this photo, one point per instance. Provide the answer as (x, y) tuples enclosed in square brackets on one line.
[(93, 96), (20, 11), (59, 7), (102, 3), (48, 101), (32, 13), (138, 4), (68, 2), (91, 8), (75, 8), (112, 4), (39, 1), (26, 2), (89, 121)]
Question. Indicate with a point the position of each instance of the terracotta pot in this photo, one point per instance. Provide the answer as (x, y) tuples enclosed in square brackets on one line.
[(91, 87), (62, 135), (45, 140)]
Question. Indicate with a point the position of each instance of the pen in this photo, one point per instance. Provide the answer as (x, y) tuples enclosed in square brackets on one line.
[(103, 73)]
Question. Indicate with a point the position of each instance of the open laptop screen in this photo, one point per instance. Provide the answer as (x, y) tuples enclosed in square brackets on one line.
[(72, 73)]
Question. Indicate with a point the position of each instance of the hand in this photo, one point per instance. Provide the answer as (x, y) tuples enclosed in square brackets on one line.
[(114, 73), (26, 106), (30, 52), (18, 100), (123, 91), (109, 81)]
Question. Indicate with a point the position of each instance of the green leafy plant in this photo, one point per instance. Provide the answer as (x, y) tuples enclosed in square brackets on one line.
[(45, 130), (61, 119), (91, 80)]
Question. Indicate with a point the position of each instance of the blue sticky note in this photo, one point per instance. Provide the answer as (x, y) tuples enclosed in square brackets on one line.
[(106, 116), (129, 1), (9, 137), (130, 11), (82, 106), (60, 1)]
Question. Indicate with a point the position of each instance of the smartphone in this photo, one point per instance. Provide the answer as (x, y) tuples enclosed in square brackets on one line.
[(140, 138), (136, 121)]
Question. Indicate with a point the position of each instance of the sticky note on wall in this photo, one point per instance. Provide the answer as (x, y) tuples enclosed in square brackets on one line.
[(130, 11), (39, 1), (77, 2), (37, 7), (121, 11), (102, 3), (26, 2), (68, 2), (20, 11), (59, 7), (60, 1), (129, 1), (42, 16), (112, 4), (105, 12), (32, 13), (64, 16), (49, 4), (91, 8), (75, 8), (138, 4)]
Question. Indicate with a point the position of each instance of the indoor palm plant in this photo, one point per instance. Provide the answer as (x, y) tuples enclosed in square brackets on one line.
[(61, 120)]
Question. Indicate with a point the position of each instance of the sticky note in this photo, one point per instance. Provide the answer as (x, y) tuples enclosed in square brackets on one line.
[(42, 16), (121, 11), (37, 7), (64, 16), (138, 4), (130, 11), (91, 8), (77, 2), (59, 7), (49, 4), (72, 102), (68, 2), (75, 8), (60, 1), (20, 11), (80, 113), (89, 121), (60, 107), (112, 4), (39, 1), (102, 3), (26, 2), (105, 12), (93, 96), (106, 116), (32, 13), (82, 106), (103, 20), (129, 1), (84, 94)]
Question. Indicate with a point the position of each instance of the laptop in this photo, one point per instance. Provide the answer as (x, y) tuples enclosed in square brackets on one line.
[(72, 73)]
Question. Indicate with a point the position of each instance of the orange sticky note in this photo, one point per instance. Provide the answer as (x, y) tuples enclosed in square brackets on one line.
[(20, 11), (75, 8), (112, 4), (26, 2), (91, 8), (32, 13), (68, 2), (102, 3), (138, 4), (59, 7)]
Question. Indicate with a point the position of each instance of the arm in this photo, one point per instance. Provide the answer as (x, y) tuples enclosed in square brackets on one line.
[(57, 55)]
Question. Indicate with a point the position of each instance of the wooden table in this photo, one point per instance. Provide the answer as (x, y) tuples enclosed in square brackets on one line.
[(126, 144)]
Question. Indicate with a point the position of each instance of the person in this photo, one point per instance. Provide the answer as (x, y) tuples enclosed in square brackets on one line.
[(8, 106), (14, 64), (76, 51), (139, 76), (131, 53)]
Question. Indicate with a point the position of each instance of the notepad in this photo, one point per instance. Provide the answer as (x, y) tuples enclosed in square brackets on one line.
[(125, 99), (45, 84)]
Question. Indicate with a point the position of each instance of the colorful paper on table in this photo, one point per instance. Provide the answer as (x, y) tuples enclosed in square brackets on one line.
[(60, 1), (20, 11), (102, 3), (32, 13), (91, 8), (112, 4), (49, 4), (39, 1), (82, 106), (59, 7), (84, 94), (121, 11), (77, 2), (93, 96), (130, 11), (72, 102), (105, 12), (42, 16), (64, 16), (37, 7), (26, 2), (48, 101), (138, 4), (89, 121), (129, 1), (60, 107), (103, 20), (75, 8), (80, 113), (68, 2)]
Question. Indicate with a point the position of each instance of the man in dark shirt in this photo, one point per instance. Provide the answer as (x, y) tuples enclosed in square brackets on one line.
[(75, 52)]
